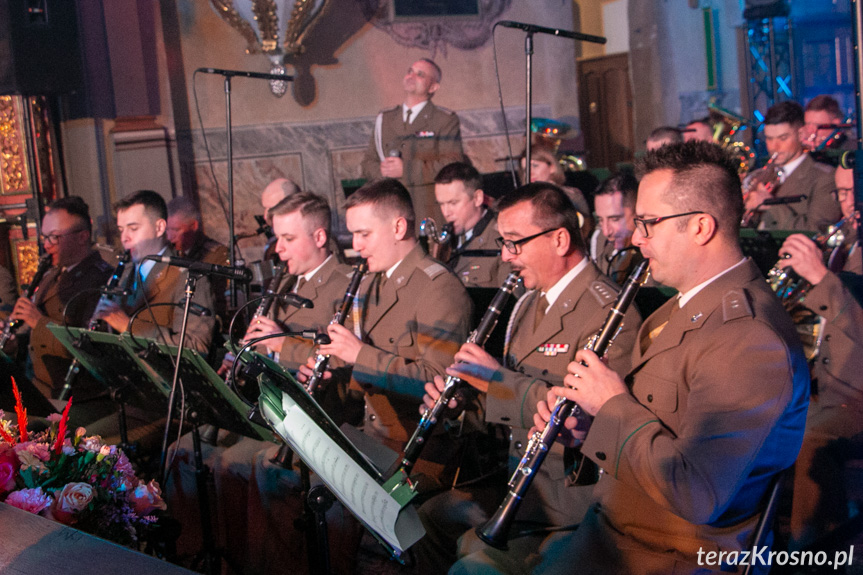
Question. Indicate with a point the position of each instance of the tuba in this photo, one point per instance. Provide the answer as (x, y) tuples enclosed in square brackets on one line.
[(792, 289), (726, 125), (439, 246)]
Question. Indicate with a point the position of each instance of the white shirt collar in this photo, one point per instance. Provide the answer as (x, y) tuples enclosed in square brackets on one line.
[(311, 274), (791, 166), (390, 271), (554, 291), (415, 110), (147, 265), (684, 298)]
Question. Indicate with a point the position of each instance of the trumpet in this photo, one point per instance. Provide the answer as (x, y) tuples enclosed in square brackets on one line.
[(495, 532), (437, 242), (478, 336), (13, 324), (93, 325), (322, 360), (768, 175)]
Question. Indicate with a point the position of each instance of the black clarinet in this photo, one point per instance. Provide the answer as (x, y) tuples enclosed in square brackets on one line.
[(495, 532), (93, 325), (13, 324), (452, 383), (321, 360)]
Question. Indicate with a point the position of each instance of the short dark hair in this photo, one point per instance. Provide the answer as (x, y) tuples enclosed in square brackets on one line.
[(438, 72), (824, 103), (386, 194), (460, 172), (153, 203), (184, 206), (787, 112), (704, 178), (552, 208), (623, 182), (74, 206), (544, 151), (667, 134), (312, 207)]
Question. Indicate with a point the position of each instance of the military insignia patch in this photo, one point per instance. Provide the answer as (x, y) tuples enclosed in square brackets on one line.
[(552, 349), (425, 134)]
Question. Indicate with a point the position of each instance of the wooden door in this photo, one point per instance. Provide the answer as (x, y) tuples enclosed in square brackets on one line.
[(605, 105)]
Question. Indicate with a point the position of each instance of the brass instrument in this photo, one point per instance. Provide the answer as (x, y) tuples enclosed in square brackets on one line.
[(792, 289), (438, 246), (495, 531), (430, 418), (768, 175), (93, 325), (322, 360), (726, 125), (13, 324)]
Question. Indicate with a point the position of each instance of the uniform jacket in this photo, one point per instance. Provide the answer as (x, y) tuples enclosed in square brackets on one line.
[(208, 250), (717, 409), (426, 145), (50, 358), (818, 211), (475, 270), (411, 335), (617, 266), (167, 284), (838, 369), (327, 290), (537, 361)]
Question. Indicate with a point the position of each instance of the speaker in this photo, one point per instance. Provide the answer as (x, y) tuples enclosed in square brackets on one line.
[(760, 9), (39, 50)]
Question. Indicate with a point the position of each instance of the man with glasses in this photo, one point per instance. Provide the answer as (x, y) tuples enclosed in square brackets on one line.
[(567, 303), (835, 416), (77, 268), (799, 176), (693, 437)]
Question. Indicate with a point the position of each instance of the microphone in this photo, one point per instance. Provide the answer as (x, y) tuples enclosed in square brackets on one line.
[(295, 300), (784, 201), (236, 274), (196, 308), (259, 75), (532, 28)]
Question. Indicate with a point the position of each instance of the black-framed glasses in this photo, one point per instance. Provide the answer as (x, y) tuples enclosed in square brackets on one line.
[(54, 238), (840, 194), (514, 246), (642, 224)]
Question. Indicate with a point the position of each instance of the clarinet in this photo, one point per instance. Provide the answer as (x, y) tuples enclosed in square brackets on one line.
[(93, 325), (13, 324), (452, 383), (322, 360), (495, 531)]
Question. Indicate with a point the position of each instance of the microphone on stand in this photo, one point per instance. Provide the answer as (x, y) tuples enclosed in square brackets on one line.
[(236, 274), (295, 300), (259, 75), (533, 28)]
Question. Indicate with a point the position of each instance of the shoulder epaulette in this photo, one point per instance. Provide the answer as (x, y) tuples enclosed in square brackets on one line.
[(445, 110), (434, 269), (392, 109), (735, 304), (603, 292)]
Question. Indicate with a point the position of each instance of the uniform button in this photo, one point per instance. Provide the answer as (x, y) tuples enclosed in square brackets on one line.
[(823, 308), (600, 455), (392, 340), (826, 361), (650, 398), (518, 444), (544, 372), (372, 417), (827, 337)]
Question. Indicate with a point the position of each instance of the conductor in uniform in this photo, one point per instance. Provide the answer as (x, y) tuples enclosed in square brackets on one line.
[(414, 140)]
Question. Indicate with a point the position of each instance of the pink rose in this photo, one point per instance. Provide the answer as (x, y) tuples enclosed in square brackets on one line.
[(8, 468), (54, 418), (32, 500), (146, 498), (74, 498), (93, 443), (41, 451)]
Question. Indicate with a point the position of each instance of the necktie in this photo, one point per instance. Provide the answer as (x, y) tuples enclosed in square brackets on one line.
[(301, 281), (408, 117), (541, 307), (379, 286), (652, 334)]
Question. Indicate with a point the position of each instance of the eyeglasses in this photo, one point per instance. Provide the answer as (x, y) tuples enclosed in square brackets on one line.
[(840, 194), (54, 238), (642, 225), (514, 246)]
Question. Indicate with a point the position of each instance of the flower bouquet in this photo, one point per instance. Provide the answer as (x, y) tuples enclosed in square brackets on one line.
[(77, 480)]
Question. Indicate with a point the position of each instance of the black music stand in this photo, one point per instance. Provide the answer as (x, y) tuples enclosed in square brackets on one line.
[(32, 398)]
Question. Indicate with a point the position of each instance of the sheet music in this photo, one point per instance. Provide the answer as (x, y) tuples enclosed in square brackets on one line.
[(352, 485)]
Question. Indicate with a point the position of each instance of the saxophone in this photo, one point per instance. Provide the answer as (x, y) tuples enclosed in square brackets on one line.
[(478, 336), (495, 531), (93, 325), (322, 360), (13, 324), (438, 245)]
